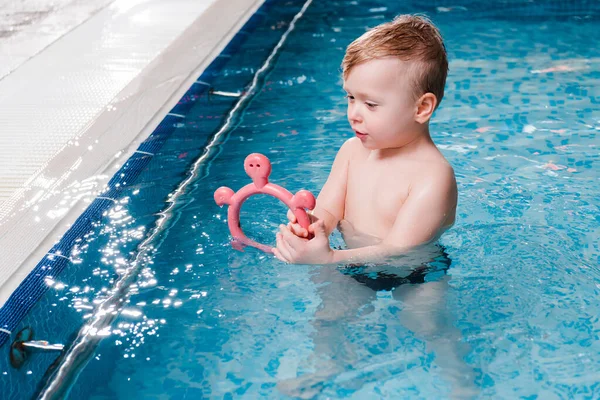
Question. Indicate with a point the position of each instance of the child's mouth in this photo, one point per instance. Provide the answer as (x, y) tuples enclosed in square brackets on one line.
[(361, 135)]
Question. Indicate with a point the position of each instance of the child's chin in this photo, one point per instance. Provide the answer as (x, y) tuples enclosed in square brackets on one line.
[(370, 146)]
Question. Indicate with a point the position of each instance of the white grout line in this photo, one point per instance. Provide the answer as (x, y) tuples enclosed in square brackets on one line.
[(144, 152), (226, 94), (106, 198), (59, 255)]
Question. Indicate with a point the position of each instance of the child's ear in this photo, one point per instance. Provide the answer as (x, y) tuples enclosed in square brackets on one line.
[(425, 107)]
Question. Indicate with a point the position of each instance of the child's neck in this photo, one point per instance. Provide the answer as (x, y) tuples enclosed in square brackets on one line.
[(421, 140)]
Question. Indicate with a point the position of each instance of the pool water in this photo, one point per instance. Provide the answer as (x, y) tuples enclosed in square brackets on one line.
[(515, 314)]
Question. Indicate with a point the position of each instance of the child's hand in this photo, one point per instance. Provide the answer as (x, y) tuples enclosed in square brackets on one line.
[(297, 250), (295, 227)]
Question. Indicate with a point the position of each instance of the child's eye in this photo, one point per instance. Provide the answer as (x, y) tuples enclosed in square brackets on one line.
[(349, 97), (371, 105)]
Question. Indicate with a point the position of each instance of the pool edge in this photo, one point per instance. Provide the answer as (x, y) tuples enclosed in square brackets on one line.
[(171, 80)]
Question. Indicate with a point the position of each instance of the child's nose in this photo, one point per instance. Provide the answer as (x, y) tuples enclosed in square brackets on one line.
[(353, 113)]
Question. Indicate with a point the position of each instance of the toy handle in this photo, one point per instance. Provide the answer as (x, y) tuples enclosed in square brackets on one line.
[(258, 167), (297, 203)]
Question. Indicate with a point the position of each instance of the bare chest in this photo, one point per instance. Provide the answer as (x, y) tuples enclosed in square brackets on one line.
[(374, 195)]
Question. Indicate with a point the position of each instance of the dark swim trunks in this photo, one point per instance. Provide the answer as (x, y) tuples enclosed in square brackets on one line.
[(385, 281)]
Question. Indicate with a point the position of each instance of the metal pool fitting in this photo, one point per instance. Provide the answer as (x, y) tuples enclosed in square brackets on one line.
[(24, 344)]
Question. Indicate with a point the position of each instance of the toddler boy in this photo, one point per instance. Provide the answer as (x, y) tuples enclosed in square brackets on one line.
[(390, 189)]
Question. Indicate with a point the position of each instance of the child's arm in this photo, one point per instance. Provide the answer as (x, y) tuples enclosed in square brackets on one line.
[(426, 214), (332, 198), (428, 210)]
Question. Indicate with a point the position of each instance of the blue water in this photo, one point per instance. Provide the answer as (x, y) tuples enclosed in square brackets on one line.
[(516, 313)]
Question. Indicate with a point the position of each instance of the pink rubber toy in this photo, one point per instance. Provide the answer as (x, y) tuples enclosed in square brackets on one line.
[(258, 167)]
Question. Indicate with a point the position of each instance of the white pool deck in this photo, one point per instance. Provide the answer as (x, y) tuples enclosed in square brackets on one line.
[(82, 84)]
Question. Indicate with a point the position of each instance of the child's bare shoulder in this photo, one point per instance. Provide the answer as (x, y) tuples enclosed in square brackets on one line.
[(352, 145), (350, 149), (435, 170)]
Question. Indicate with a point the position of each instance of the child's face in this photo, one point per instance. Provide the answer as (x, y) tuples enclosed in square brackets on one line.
[(381, 104)]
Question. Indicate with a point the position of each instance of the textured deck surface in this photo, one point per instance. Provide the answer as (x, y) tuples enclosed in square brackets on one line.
[(81, 84)]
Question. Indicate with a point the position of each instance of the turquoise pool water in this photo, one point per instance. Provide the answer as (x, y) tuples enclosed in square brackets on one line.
[(516, 314)]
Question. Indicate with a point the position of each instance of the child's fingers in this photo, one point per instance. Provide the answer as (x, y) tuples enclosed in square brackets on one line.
[(298, 230), (289, 239), (283, 247), (314, 227), (293, 231), (291, 217), (278, 255)]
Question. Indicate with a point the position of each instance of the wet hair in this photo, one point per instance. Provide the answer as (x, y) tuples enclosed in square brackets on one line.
[(411, 38)]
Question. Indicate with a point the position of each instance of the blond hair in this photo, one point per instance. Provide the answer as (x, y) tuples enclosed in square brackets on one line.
[(410, 38)]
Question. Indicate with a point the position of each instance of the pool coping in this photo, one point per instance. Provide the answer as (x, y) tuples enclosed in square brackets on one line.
[(25, 240)]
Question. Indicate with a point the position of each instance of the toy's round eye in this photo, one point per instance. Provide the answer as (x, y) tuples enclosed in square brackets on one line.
[(251, 165), (258, 165)]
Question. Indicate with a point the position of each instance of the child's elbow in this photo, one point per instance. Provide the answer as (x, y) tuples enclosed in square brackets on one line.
[(391, 249)]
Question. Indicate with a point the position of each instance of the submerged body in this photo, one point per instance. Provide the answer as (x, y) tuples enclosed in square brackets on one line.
[(391, 194)]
